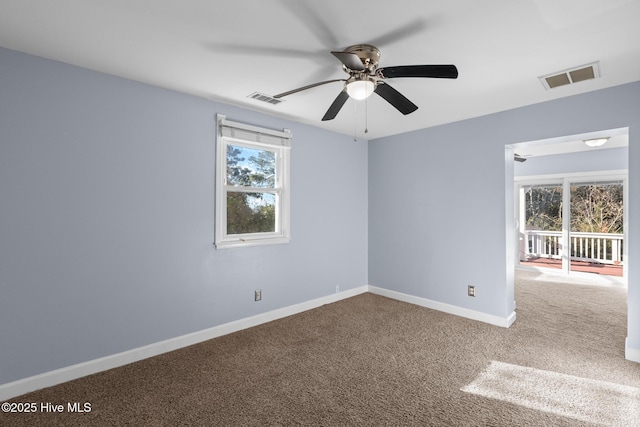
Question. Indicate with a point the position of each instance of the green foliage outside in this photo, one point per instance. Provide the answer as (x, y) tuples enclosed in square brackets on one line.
[(544, 208), (253, 212), (595, 208)]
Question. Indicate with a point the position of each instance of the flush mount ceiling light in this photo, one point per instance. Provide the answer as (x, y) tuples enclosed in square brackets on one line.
[(596, 142), (360, 89)]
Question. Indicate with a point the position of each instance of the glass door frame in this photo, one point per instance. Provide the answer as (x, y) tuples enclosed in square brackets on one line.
[(566, 180)]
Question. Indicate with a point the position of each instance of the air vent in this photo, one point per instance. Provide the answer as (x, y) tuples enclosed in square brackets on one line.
[(570, 76), (265, 98)]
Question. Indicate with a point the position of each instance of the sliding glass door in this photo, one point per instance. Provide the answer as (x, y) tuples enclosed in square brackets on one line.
[(541, 229), (572, 224), (597, 227)]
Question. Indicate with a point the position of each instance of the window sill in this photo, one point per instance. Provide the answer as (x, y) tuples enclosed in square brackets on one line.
[(241, 243)]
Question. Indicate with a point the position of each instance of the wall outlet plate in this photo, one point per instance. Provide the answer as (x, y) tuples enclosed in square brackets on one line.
[(258, 294), (471, 291)]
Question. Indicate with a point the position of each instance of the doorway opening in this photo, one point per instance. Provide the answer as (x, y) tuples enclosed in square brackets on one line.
[(560, 187)]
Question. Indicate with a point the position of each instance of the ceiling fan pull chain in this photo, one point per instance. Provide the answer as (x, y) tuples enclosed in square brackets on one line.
[(366, 116), (355, 122)]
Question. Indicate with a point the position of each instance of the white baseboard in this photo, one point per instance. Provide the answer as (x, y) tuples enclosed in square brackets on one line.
[(58, 376), (630, 353), (504, 322)]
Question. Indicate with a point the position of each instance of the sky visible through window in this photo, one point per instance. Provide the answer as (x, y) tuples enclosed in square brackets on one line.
[(258, 170)]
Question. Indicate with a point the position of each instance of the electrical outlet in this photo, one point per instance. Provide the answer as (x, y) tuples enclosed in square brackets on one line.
[(337, 288), (258, 294), (471, 291)]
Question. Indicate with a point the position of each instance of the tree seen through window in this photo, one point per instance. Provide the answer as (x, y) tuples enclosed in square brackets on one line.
[(251, 211)]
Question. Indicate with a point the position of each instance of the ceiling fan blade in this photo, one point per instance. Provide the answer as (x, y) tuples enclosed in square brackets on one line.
[(350, 60), (280, 95), (310, 14), (402, 32), (268, 51), (335, 107), (433, 71), (395, 98)]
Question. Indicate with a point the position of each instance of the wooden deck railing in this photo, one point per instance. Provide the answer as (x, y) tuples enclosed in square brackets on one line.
[(605, 248)]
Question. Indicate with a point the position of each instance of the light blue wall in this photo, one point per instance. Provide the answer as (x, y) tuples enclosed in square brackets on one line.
[(107, 219), (437, 208), (106, 227)]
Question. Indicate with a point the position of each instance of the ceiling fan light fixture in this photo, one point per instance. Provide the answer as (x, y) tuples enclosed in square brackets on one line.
[(595, 142), (360, 89), (360, 62)]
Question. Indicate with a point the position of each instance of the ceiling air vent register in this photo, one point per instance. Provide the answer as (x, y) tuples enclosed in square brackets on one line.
[(571, 76), (265, 98)]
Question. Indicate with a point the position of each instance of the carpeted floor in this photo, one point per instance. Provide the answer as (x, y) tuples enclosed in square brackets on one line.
[(373, 361)]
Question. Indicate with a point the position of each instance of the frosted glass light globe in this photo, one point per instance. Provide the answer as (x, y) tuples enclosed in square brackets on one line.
[(360, 89)]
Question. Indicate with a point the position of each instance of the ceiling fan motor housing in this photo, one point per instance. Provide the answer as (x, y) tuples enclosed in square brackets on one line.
[(368, 54)]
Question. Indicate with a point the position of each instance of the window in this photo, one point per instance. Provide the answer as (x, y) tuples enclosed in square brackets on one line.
[(252, 185)]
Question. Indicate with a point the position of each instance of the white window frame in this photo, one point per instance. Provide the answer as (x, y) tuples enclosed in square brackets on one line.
[(249, 136)]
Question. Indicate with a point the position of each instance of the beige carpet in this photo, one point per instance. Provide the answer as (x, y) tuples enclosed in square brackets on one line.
[(373, 361)]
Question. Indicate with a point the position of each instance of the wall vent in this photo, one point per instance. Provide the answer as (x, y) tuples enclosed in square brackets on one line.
[(571, 76), (265, 98)]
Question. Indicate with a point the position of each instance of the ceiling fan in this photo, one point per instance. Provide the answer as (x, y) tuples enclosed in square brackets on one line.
[(360, 62)]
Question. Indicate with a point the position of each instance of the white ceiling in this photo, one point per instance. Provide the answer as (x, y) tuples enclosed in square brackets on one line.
[(225, 50)]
